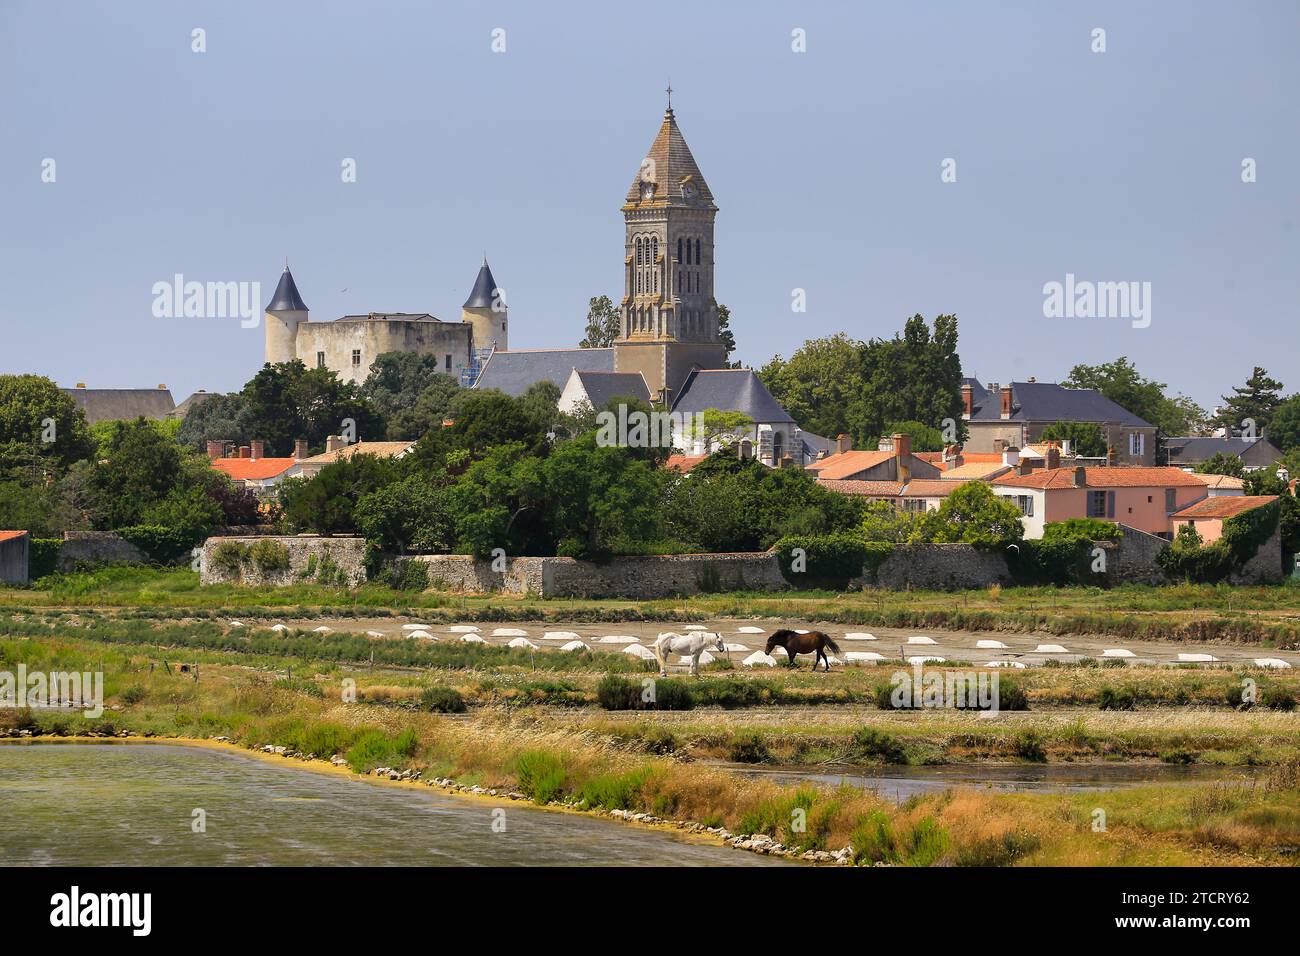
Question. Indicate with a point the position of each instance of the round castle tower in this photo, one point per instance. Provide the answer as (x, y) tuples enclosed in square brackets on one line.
[(285, 311), (485, 311)]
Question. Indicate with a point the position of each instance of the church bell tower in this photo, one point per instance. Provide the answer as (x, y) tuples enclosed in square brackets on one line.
[(669, 317)]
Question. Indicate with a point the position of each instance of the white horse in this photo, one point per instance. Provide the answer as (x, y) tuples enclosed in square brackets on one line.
[(688, 645)]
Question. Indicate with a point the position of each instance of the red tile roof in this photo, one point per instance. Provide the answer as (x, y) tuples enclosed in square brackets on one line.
[(873, 489), (683, 463), (1225, 506), (10, 535), (932, 487), (848, 463), (1105, 478), (253, 469)]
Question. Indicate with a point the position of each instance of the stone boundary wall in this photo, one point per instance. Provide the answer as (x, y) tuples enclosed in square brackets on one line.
[(97, 547), (1266, 566), (312, 558), (939, 567)]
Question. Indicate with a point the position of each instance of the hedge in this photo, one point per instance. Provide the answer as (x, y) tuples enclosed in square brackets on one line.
[(43, 556), (829, 561)]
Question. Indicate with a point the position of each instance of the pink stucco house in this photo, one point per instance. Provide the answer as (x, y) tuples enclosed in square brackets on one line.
[(1143, 497), (1207, 516)]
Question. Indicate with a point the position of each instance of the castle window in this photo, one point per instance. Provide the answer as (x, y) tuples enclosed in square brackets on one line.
[(655, 248), (637, 243), (697, 252), (679, 249), (448, 361), (320, 359), (356, 357)]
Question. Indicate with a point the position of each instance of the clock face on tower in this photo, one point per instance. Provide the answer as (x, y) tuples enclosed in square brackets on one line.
[(647, 191)]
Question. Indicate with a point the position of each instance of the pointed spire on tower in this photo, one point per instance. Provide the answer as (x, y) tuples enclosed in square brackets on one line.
[(286, 297), (484, 291)]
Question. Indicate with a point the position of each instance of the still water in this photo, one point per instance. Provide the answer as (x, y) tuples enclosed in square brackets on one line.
[(132, 804), (899, 782)]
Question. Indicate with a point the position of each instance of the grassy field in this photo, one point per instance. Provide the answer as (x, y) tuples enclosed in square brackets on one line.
[(1267, 616), (597, 761), (494, 716)]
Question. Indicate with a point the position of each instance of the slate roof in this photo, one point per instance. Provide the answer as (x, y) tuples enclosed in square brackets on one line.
[(390, 317), (195, 400), (1105, 478), (108, 404), (1194, 450), (669, 165), (602, 386), (730, 390), (513, 372), (286, 298), (1049, 402), (481, 296), (1224, 506)]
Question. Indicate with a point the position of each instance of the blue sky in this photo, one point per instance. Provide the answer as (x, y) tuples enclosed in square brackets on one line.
[(1115, 166)]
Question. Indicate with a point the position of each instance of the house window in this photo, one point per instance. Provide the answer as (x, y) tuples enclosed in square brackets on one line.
[(1026, 505), (1096, 504), (356, 357), (320, 359), (1171, 500), (914, 505), (1136, 444), (448, 356)]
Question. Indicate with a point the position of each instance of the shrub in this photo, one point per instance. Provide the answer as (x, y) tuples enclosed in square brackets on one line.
[(615, 692), (1029, 746), (540, 775), (161, 545), (873, 840), (616, 791), (442, 700), (1001, 850), (133, 694), (1112, 698), (749, 748), (228, 557), (269, 557), (869, 743), (43, 556), (829, 561), (374, 748)]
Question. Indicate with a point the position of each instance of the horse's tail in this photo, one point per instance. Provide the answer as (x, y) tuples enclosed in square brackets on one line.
[(826, 639)]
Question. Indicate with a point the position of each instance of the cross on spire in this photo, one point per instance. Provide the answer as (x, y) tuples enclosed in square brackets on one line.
[(669, 91)]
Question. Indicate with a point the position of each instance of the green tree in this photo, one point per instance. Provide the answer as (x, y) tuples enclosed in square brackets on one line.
[(726, 336), (218, 418), (139, 468), (410, 393), (1221, 464), (720, 426), (1085, 438), (499, 502), (923, 436), (411, 514), (975, 515), (326, 503), (41, 428), (818, 382), (1255, 401), (603, 323), (1284, 428), (288, 401), (598, 497)]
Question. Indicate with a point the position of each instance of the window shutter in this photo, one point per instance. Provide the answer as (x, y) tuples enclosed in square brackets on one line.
[(1110, 504)]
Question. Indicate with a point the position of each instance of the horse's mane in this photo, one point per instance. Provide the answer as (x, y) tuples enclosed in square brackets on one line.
[(781, 636)]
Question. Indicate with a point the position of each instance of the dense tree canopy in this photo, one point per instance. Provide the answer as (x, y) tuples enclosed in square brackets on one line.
[(41, 427), (1254, 402), (1085, 438), (840, 385)]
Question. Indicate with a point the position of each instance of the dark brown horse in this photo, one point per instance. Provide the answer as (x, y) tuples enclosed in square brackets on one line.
[(796, 643)]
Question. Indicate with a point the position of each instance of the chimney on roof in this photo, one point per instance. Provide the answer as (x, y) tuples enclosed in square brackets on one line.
[(787, 460), (245, 451), (216, 449), (299, 449), (334, 443), (1006, 401), (1112, 456), (81, 385), (952, 454), (1010, 456), (1053, 456), (967, 400), (1080, 478), (843, 443), (162, 387), (902, 456), (258, 449)]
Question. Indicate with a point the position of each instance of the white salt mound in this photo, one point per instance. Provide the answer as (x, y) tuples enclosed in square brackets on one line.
[(415, 627), (378, 633), (929, 659), (859, 636), (575, 646), (236, 624), (1198, 658), (322, 629), (636, 650), (559, 635), (1050, 649), (1119, 652), (463, 628), (522, 642), (695, 627), (749, 629), (736, 647), (1016, 664), (1275, 662), (863, 657), (759, 659), (618, 639), (472, 639), (508, 632), (991, 645), (278, 627), (921, 640)]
